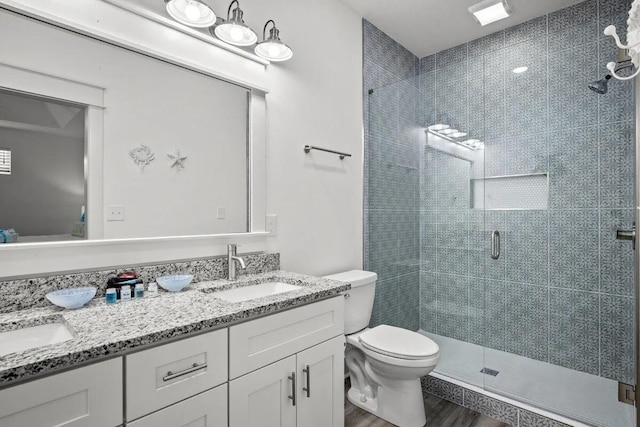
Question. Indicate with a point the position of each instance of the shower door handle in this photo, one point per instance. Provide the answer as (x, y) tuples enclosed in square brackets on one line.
[(495, 244), (627, 235)]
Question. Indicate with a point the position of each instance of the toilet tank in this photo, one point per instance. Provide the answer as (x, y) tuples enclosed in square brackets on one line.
[(359, 302)]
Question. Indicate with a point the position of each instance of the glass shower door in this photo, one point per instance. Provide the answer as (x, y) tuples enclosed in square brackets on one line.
[(452, 230), (559, 181), (392, 238)]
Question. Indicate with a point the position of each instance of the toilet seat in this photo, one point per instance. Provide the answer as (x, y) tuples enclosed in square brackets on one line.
[(399, 343)]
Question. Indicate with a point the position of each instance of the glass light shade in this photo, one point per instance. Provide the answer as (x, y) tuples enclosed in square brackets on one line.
[(458, 134), (438, 127), (236, 33), (448, 131), (273, 50), (193, 13)]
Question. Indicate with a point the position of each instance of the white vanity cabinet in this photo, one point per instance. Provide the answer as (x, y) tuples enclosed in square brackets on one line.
[(90, 396), (287, 369), (280, 370)]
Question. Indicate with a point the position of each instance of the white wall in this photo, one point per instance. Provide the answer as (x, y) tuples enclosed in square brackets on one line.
[(313, 99)]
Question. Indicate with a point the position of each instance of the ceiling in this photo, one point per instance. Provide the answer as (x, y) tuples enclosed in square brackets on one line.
[(429, 26)]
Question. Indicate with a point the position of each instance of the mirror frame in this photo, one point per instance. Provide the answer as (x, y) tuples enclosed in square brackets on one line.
[(146, 37)]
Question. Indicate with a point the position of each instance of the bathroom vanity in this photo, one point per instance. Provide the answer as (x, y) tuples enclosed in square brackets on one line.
[(188, 358)]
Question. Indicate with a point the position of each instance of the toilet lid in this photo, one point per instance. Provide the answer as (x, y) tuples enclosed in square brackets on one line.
[(398, 342)]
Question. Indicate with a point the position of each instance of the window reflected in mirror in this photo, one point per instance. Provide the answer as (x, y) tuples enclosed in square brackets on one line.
[(42, 169)]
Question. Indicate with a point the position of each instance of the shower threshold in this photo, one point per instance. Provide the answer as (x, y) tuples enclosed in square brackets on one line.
[(551, 390)]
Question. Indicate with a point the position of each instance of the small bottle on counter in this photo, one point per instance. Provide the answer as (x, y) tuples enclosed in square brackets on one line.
[(125, 292), (139, 290), (152, 290), (111, 296)]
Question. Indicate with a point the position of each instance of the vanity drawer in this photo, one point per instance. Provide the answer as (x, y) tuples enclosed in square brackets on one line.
[(208, 409), (85, 397), (262, 341), (158, 377)]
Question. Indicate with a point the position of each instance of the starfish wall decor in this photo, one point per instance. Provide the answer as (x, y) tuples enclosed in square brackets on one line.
[(177, 160)]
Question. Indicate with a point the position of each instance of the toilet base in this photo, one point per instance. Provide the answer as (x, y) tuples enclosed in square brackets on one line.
[(403, 406)]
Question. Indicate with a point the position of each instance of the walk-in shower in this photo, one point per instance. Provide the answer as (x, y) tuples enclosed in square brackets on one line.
[(547, 322)]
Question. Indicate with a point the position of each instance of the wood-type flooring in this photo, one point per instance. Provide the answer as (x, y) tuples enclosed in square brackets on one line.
[(440, 413)]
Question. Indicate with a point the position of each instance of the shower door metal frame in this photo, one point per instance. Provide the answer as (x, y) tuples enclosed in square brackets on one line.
[(636, 256)]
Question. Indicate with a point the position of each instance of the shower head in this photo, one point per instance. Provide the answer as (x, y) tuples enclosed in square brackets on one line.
[(600, 86)]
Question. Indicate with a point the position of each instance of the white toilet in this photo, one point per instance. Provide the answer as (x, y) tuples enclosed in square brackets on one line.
[(385, 363)]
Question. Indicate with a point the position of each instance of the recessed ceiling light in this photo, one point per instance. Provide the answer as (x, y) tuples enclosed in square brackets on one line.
[(520, 70), (489, 11)]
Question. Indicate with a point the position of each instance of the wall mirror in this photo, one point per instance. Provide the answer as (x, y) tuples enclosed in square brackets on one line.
[(152, 149)]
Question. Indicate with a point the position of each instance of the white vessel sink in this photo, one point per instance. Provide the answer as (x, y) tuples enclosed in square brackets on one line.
[(32, 337), (246, 293)]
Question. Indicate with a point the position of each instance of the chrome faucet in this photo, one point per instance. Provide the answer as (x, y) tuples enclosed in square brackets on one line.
[(232, 257)]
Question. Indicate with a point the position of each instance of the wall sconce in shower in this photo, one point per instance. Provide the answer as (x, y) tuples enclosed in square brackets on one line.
[(273, 48), (193, 13), (234, 31), (489, 11), (455, 136)]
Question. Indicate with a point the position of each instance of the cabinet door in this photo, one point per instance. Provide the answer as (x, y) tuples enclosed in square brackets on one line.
[(208, 409), (321, 384), (261, 398), (85, 397)]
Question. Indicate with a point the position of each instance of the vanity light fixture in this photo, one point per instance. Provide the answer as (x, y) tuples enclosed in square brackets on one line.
[(489, 11), (273, 48), (455, 136), (193, 13), (234, 31)]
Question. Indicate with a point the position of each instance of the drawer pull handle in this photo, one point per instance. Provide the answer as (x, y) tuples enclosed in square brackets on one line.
[(292, 377), (307, 371), (171, 375)]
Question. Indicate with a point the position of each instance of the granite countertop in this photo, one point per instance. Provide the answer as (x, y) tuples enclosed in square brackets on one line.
[(102, 331)]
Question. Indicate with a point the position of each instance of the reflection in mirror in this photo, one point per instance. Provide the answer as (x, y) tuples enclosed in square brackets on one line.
[(167, 148), (43, 177)]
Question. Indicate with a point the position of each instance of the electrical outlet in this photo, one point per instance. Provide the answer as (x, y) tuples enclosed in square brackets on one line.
[(115, 213), (272, 224), (221, 213)]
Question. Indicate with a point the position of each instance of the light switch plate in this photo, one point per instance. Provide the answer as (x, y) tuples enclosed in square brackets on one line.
[(115, 213), (272, 224), (222, 213)]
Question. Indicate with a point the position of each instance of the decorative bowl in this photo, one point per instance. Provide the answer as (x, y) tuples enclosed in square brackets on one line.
[(174, 282), (72, 298)]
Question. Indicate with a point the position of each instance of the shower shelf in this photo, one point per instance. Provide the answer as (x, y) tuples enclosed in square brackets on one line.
[(510, 192)]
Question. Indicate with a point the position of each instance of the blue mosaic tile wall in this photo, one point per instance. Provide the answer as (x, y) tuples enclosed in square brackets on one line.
[(562, 291), (391, 235)]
